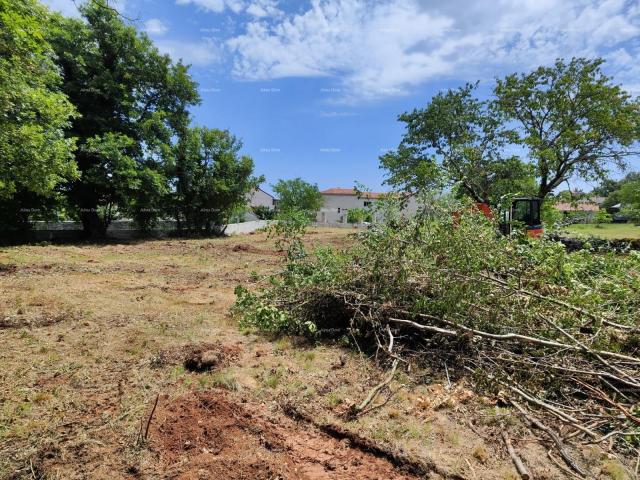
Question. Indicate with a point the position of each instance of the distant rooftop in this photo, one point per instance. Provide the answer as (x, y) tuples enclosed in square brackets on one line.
[(351, 191), (577, 207)]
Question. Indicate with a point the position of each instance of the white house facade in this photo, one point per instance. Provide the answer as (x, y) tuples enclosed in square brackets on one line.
[(260, 198), (338, 202)]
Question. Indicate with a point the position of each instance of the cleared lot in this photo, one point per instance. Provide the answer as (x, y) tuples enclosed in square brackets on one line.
[(91, 335)]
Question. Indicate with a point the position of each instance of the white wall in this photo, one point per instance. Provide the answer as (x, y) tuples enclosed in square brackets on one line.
[(335, 207)]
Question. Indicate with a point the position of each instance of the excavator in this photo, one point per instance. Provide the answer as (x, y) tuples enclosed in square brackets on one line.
[(524, 212)]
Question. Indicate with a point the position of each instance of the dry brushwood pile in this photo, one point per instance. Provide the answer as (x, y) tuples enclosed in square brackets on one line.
[(553, 333)]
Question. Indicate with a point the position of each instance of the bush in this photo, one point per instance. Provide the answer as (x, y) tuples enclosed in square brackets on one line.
[(359, 215), (264, 213)]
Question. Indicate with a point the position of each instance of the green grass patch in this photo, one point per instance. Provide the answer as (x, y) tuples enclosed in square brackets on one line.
[(610, 231)]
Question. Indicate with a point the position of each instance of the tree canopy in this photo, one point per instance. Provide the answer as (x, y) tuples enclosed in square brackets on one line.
[(132, 102), (35, 155), (459, 141), (572, 119), (297, 195), (211, 179), (568, 120)]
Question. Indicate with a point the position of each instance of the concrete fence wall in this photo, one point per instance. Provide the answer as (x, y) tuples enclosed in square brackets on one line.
[(119, 230)]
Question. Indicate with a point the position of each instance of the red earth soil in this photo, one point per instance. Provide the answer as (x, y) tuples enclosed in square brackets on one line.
[(214, 435)]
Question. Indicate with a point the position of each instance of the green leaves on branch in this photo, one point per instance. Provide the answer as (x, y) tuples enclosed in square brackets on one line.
[(572, 119), (35, 156), (459, 141)]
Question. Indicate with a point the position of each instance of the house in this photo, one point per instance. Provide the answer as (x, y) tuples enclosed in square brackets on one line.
[(260, 198), (584, 207), (338, 202)]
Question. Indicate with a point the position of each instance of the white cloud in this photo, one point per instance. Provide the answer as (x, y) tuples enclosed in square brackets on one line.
[(210, 5), (378, 48), (255, 8), (264, 8), (192, 53), (155, 26)]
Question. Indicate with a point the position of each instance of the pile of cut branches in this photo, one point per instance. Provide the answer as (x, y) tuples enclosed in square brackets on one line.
[(553, 331)]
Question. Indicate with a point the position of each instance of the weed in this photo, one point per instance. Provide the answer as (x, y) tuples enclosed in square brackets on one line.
[(614, 469), (272, 379), (334, 399), (224, 379)]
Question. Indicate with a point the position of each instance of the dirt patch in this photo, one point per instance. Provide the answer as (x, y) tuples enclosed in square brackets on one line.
[(31, 321), (8, 268), (213, 433), (246, 248), (198, 357)]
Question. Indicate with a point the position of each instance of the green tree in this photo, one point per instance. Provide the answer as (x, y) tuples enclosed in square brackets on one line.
[(459, 141), (35, 156), (629, 195), (211, 179), (296, 194), (611, 188), (133, 102), (572, 119)]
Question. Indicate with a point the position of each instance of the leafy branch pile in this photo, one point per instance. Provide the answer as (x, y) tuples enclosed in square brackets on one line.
[(552, 330)]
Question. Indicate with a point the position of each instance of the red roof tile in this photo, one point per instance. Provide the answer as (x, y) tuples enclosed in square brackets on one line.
[(351, 191), (579, 207)]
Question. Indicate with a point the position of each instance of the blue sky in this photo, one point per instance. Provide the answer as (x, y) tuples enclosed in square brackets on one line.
[(313, 88)]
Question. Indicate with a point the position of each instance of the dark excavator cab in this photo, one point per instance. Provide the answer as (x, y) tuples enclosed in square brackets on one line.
[(524, 213)]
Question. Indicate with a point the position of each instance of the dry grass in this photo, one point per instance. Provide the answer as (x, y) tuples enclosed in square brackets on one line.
[(82, 360)]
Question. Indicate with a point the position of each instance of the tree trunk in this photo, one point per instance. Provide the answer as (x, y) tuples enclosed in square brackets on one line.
[(92, 225)]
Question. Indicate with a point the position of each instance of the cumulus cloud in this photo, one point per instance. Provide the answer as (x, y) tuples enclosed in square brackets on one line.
[(386, 47), (263, 8), (198, 54), (155, 26), (210, 5), (255, 8)]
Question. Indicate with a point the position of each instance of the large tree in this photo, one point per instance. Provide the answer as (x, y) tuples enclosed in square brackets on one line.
[(211, 179), (35, 156), (572, 119), (458, 141), (133, 101), (297, 195)]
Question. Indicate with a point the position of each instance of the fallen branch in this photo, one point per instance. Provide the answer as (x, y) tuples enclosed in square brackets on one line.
[(554, 437), (522, 470), (143, 437), (356, 409)]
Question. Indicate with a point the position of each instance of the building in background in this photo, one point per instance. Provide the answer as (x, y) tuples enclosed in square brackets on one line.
[(338, 202), (260, 198), (585, 208)]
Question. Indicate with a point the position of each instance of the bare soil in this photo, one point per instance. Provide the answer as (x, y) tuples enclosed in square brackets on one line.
[(92, 334), (213, 435)]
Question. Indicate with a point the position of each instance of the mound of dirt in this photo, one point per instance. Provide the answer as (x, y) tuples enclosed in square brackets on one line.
[(209, 435), (198, 357)]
